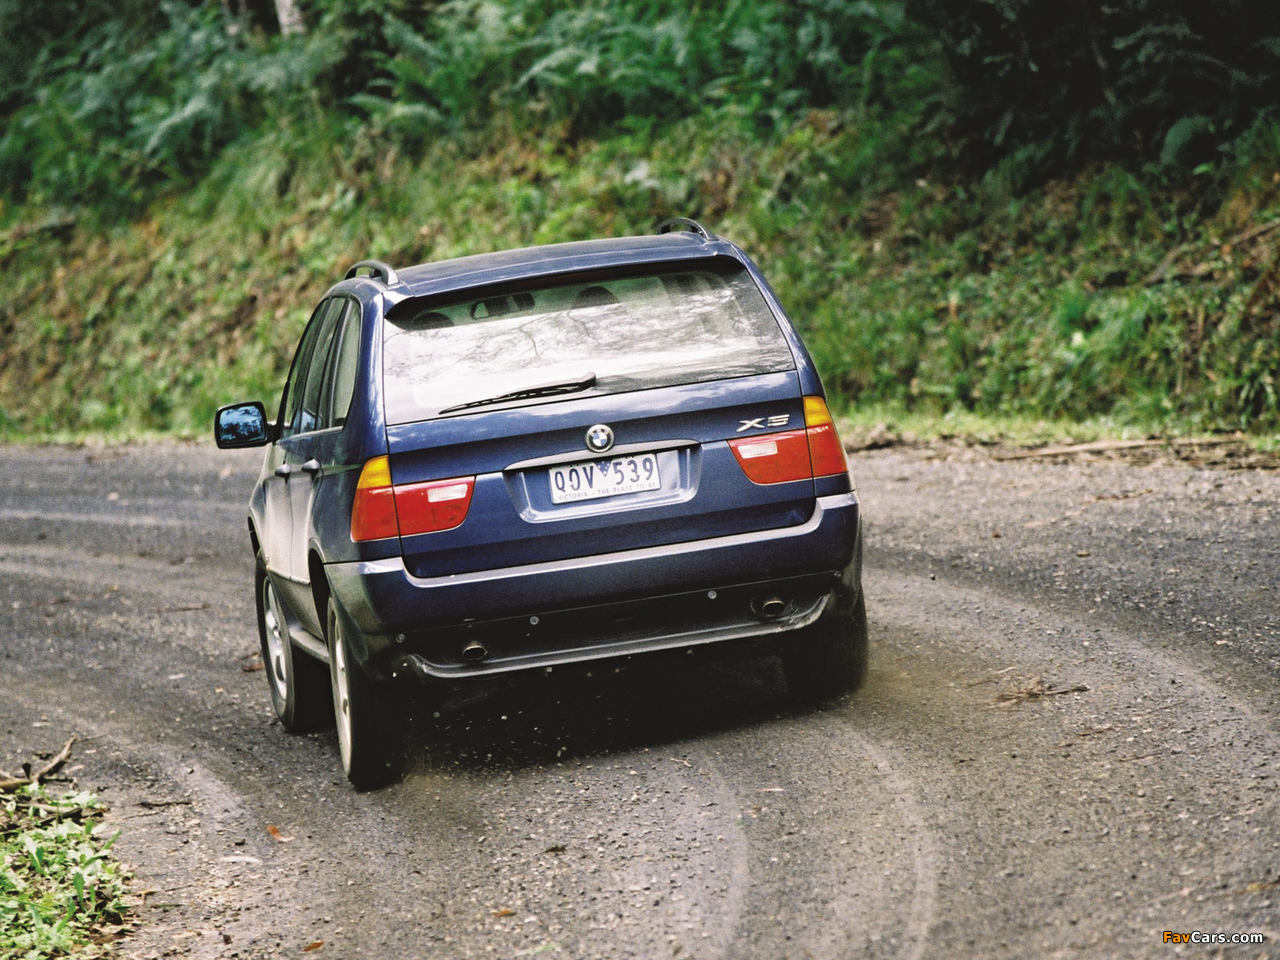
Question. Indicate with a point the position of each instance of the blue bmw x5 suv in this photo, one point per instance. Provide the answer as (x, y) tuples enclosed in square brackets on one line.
[(545, 456)]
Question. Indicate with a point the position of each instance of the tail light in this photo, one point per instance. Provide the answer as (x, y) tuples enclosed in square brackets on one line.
[(826, 452), (373, 514), (815, 451), (382, 510)]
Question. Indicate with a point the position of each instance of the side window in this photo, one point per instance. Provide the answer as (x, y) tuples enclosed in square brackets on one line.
[(343, 369), (293, 386), (309, 416)]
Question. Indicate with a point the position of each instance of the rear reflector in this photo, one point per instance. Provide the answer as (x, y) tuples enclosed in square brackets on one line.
[(761, 448), (815, 451), (774, 458), (433, 506), (381, 510)]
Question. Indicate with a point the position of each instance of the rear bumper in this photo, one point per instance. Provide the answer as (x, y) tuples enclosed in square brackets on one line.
[(394, 611)]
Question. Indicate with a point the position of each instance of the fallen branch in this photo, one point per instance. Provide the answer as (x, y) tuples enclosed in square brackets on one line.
[(1036, 689), (990, 679), (63, 755), (1159, 274), (24, 230), (71, 813), (1102, 446), (1255, 232)]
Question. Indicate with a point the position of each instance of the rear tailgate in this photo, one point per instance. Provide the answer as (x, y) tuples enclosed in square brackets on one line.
[(671, 457)]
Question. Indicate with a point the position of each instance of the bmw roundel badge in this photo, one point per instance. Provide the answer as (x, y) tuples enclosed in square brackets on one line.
[(599, 438)]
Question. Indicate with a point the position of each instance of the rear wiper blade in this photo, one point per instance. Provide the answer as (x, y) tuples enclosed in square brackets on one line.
[(541, 390)]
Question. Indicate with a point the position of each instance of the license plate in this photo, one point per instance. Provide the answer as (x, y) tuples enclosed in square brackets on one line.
[(604, 478)]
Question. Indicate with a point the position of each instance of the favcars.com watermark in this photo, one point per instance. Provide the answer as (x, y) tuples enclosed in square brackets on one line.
[(1197, 937)]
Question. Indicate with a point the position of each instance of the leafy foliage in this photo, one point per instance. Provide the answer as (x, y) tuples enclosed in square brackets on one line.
[(1091, 298), (49, 37), (993, 207), (1057, 84), (131, 107), (59, 887), (596, 63), (125, 104)]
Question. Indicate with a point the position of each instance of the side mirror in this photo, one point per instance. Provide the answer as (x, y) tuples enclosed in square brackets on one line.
[(241, 425)]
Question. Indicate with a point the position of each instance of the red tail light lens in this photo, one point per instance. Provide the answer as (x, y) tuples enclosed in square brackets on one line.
[(825, 449), (433, 506), (373, 514), (773, 457), (815, 451), (381, 510)]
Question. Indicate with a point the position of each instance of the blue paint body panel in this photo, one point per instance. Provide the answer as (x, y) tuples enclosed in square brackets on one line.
[(386, 600), (602, 565)]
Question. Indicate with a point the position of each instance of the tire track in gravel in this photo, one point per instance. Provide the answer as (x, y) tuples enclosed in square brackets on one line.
[(677, 809), (717, 835), (756, 837), (1081, 823)]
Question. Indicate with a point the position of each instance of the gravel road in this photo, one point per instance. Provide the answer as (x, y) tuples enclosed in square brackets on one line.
[(1068, 744)]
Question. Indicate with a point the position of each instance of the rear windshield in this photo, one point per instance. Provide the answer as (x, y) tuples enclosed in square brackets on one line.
[(672, 325)]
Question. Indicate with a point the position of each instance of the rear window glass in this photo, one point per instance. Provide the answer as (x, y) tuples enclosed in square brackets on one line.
[(589, 336)]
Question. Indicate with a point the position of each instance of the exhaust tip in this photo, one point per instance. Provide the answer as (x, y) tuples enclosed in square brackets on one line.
[(769, 608), (474, 651)]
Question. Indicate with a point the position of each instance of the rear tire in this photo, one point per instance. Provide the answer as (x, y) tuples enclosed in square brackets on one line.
[(298, 682), (367, 739), (832, 659)]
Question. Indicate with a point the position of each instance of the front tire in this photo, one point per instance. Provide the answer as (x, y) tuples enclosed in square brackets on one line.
[(366, 734), (298, 682)]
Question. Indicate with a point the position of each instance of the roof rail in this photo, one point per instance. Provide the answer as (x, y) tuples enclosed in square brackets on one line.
[(377, 270), (693, 226)]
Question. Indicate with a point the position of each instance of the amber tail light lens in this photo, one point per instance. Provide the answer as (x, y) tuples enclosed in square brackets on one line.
[(382, 510), (373, 514), (826, 452)]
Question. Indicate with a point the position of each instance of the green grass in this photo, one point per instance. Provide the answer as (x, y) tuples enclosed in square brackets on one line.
[(1104, 300), (61, 893), (177, 191), (911, 425)]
